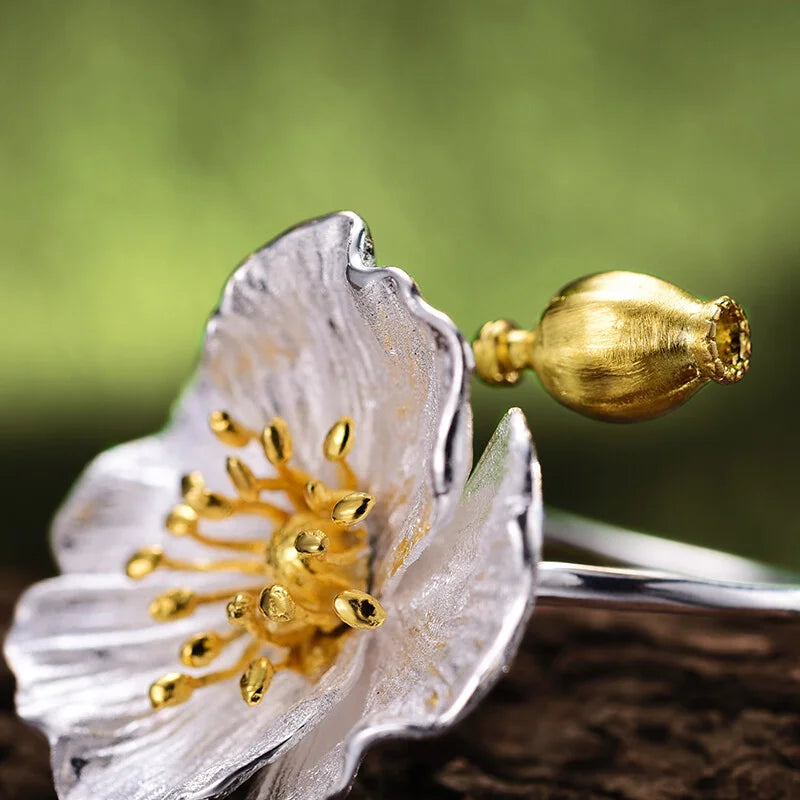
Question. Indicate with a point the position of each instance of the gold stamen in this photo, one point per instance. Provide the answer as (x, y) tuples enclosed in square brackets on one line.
[(352, 509), (228, 430), (316, 561), (277, 442), (277, 604), (322, 498), (247, 567), (202, 648), (222, 675), (242, 478), (144, 561), (339, 441), (171, 690), (256, 680), (174, 604), (240, 608), (182, 520), (192, 484), (311, 543), (359, 610)]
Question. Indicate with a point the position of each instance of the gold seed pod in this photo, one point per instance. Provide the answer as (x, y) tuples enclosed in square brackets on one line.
[(144, 561), (620, 346), (277, 604), (311, 543), (256, 680), (359, 610), (277, 442), (174, 604), (171, 690), (228, 430), (182, 520), (201, 649), (242, 478), (352, 509), (240, 608), (339, 441)]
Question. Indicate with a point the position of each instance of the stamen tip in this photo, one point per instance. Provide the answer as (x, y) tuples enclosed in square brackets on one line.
[(174, 604), (339, 440), (171, 689), (256, 680), (311, 543), (144, 561), (352, 509), (277, 604), (359, 610)]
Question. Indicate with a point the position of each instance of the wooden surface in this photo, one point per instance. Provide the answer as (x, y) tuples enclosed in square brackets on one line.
[(598, 705)]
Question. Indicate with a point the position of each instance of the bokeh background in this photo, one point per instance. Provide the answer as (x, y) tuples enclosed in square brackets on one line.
[(497, 150)]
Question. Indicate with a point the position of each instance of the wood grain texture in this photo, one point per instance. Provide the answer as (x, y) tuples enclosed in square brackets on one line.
[(597, 705)]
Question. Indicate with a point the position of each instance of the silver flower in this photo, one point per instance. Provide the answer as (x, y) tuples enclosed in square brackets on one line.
[(311, 343)]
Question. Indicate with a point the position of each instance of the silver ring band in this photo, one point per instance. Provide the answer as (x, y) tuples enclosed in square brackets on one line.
[(671, 576)]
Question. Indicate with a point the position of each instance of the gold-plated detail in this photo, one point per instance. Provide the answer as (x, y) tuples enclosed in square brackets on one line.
[(174, 604), (256, 680), (242, 478), (171, 690), (339, 441), (202, 648), (239, 608), (312, 543), (277, 442), (621, 346), (182, 520), (311, 567), (276, 603), (228, 431), (359, 609), (144, 561), (352, 509)]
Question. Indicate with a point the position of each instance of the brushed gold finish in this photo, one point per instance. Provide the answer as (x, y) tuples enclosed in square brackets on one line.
[(312, 568), (621, 347)]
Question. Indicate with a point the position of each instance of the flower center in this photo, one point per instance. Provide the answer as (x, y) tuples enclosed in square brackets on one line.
[(307, 578)]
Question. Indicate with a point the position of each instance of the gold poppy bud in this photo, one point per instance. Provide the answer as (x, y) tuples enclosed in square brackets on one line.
[(621, 347)]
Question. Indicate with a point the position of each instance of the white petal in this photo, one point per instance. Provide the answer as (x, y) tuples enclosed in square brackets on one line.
[(309, 330), (453, 625), (85, 654), (122, 499)]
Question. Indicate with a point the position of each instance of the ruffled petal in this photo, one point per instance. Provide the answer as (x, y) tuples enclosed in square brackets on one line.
[(85, 653), (309, 330), (454, 625)]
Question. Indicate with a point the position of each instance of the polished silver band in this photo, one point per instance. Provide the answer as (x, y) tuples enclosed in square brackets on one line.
[(668, 576)]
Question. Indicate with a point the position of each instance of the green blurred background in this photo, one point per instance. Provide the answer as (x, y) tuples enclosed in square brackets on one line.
[(497, 150)]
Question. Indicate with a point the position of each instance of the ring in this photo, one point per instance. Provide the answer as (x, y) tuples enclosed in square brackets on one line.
[(304, 562)]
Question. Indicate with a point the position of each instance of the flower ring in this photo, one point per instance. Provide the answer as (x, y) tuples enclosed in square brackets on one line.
[(351, 582), (308, 567)]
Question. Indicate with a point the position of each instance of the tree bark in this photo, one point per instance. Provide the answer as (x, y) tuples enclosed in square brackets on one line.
[(596, 705)]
